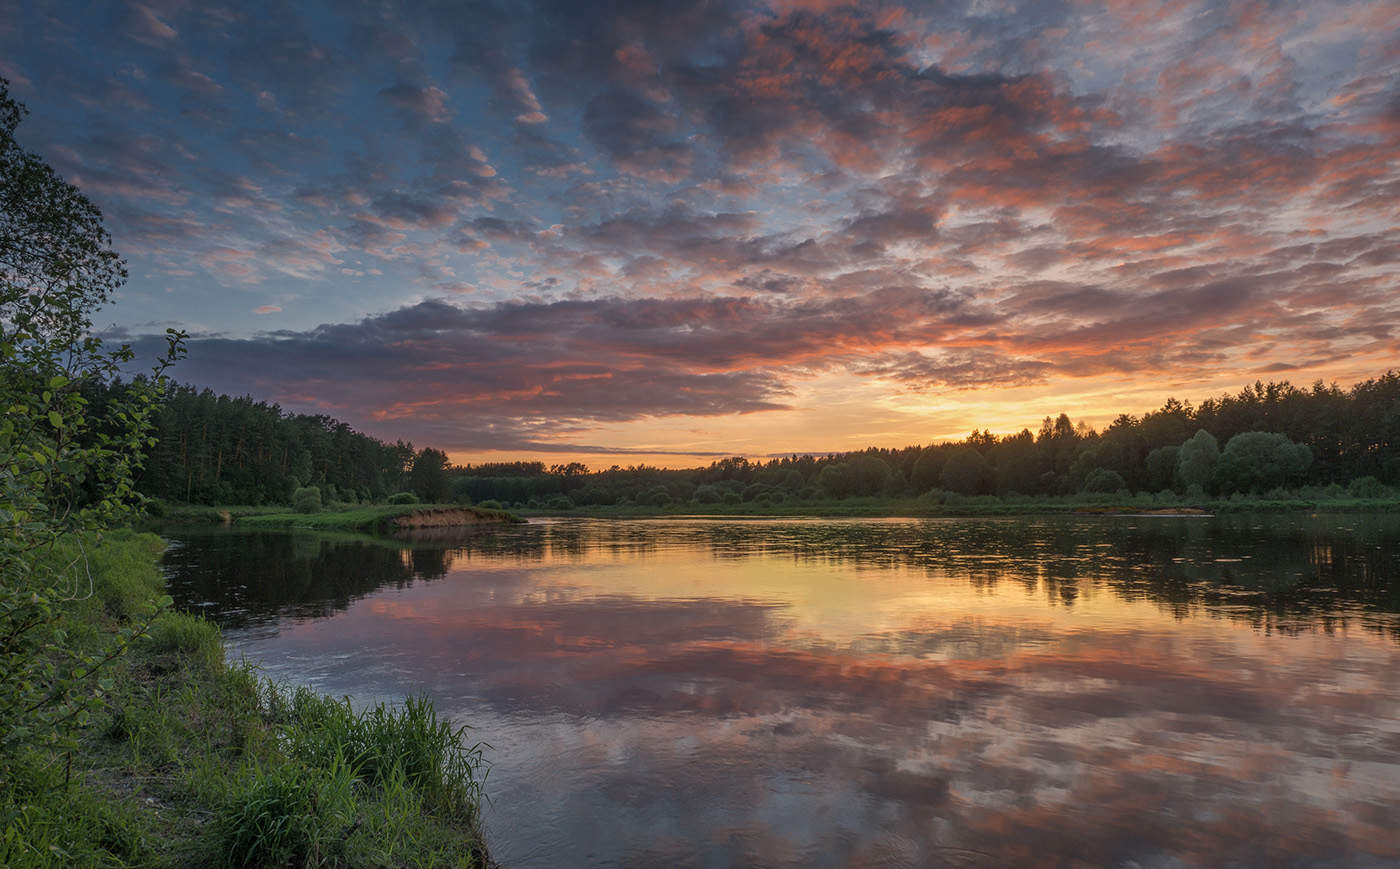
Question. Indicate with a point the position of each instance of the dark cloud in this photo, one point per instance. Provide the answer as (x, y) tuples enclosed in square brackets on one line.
[(636, 134), (967, 370), (422, 103)]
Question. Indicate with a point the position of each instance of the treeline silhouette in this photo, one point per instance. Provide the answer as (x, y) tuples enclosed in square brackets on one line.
[(1265, 439), (216, 449)]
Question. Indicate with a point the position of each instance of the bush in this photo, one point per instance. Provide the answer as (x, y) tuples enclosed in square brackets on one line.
[(403, 498), (1103, 481), (307, 500), (491, 504), (560, 502), (1366, 487), (1196, 461), (1257, 461), (964, 471)]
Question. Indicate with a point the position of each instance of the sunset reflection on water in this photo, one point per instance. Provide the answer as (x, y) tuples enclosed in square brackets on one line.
[(1099, 691)]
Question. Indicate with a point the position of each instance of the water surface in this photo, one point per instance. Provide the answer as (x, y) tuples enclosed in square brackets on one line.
[(1105, 691)]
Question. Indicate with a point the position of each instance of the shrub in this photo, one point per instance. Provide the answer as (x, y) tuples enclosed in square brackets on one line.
[(491, 504), (1103, 481), (1196, 461), (1257, 461), (403, 498), (307, 500), (964, 471), (1366, 487)]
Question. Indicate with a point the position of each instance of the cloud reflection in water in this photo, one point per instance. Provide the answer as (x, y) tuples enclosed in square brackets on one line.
[(1067, 692)]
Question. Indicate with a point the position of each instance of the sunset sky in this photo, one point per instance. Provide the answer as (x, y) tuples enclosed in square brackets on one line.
[(626, 232)]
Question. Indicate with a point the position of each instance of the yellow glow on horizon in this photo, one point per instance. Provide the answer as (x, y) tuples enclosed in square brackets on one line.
[(842, 412)]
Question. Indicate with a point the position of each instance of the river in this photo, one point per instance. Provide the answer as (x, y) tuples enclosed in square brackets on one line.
[(1066, 691)]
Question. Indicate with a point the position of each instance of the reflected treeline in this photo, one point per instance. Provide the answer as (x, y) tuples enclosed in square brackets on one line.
[(1285, 574), (238, 579)]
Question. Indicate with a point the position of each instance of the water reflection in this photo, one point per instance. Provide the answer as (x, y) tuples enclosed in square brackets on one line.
[(971, 692)]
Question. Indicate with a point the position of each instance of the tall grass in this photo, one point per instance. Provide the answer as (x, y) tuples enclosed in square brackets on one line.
[(431, 755), (355, 786), (189, 761)]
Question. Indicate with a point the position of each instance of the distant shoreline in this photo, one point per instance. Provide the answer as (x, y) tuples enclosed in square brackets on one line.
[(912, 509), (379, 518)]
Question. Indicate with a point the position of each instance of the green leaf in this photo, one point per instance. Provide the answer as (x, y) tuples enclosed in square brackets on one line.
[(55, 419)]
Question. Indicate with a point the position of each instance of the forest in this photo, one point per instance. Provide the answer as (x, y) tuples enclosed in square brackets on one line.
[(1266, 438)]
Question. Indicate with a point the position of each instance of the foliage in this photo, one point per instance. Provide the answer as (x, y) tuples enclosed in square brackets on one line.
[(428, 478), (1161, 467), (1350, 434), (928, 469), (183, 735), (1104, 481), (1196, 460), (66, 469), (402, 498), (1258, 461), (185, 635), (862, 475), (1366, 487), (369, 518), (307, 499), (964, 471)]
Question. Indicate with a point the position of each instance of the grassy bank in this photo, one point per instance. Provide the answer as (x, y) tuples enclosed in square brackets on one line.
[(367, 518), (950, 505), (191, 762)]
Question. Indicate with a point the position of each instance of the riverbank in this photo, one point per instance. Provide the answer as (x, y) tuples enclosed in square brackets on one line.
[(952, 506), (189, 761), (370, 518)]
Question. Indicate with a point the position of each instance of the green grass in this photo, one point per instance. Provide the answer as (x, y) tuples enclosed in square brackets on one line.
[(203, 514), (359, 518), (193, 762)]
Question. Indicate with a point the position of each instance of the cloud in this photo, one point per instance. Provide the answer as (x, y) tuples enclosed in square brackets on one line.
[(423, 103), (748, 194)]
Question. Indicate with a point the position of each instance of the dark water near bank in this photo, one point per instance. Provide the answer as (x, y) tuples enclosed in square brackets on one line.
[(1149, 692)]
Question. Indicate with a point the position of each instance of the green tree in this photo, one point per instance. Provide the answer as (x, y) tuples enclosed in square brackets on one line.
[(863, 474), (65, 469), (1161, 467), (307, 499), (964, 471), (1257, 461), (1195, 463), (429, 476), (1104, 481), (927, 470)]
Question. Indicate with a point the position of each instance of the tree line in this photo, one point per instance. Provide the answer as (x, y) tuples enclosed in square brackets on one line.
[(217, 449)]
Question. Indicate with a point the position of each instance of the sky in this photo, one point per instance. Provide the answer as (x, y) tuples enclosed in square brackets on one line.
[(620, 232)]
